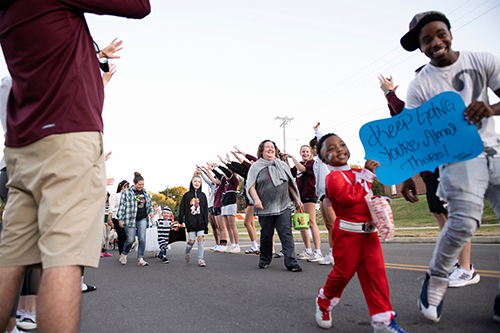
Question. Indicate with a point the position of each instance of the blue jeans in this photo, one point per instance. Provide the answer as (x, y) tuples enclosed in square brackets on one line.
[(463, 185), (193, 236), (140, 230)]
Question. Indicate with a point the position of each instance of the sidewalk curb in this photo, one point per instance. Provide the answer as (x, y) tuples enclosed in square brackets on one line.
[(399, 240)]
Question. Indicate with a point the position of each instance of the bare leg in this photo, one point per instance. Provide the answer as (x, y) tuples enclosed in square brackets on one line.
[(222, 227), (10, 284), (310, 208), (213, 223), (250, 224), (231, 227), (11, 324), (440, 219), (228, 228), (59, 299), (464, 257)]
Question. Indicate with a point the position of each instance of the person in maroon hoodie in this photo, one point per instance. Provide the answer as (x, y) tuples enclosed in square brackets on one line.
[(54, 153)]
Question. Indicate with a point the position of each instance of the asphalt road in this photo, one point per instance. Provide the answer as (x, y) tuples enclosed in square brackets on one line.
[(232, 295)]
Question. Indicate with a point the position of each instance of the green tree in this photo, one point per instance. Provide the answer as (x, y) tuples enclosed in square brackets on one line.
[(175, 194), (159, 198), (377, 187)]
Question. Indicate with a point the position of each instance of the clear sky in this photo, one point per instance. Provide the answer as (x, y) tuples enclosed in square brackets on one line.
[(197, 77)]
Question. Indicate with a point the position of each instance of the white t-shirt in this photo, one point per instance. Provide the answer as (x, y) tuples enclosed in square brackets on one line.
[(470, 76)]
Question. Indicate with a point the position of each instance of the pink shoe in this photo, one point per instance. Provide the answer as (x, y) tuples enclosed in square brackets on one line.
[(108, 255), (102, 254)]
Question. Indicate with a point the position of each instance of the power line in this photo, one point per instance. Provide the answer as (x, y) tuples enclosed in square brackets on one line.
[(315, 103)]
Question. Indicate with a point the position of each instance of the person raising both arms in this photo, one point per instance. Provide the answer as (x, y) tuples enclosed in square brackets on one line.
[(306, 182)]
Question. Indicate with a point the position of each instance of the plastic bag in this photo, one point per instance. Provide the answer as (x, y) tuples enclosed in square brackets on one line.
[(152, 241), (381, 212)]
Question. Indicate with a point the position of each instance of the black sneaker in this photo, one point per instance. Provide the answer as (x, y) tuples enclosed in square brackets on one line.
[(164, 259), (295, 268), (262, 266)]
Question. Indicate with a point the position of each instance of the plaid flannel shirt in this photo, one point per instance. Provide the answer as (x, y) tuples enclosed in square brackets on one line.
[(127, 211)]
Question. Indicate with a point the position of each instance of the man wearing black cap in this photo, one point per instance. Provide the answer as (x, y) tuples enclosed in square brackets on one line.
[(463, 184)]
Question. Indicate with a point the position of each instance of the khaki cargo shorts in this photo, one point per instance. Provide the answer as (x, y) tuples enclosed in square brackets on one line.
[(55, 206)]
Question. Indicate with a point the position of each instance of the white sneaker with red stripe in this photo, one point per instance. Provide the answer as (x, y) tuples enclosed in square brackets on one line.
[(323, 317)]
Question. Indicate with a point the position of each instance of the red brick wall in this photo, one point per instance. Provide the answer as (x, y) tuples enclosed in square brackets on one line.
[(419, 183)]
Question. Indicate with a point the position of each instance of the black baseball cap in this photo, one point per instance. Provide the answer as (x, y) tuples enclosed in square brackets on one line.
[(410, 40)]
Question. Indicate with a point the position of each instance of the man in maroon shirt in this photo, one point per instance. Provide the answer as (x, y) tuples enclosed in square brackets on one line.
[(54, 153)]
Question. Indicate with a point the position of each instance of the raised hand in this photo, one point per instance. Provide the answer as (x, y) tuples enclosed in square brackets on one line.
[(110, 50)]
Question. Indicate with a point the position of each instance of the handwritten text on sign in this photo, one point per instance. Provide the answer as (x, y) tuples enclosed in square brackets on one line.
[(421, 139)]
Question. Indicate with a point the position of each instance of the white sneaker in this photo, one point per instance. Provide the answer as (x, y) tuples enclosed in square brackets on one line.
[(222, 248), (141, 262), (123, 259), (461, 277), (323, 317), (393, 327), (214, 248), (431, 297), (202, 263), (304, 255), (327, 260), (315, 257), (234, 249), (27, 321)]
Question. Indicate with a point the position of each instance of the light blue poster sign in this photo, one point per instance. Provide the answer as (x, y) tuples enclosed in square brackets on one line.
[(421, 139)]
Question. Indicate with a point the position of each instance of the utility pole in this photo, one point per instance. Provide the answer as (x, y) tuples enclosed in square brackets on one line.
[(284, 122)]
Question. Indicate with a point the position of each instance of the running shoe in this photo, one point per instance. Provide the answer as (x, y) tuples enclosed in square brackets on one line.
[(202, 263), (27, 321), (221, 248), (315, 257), (234, 249), (142, 262), (187, 257), (108, 255), (327, 260), (461, 277), (123, 259), (304, 255), (164, 259)]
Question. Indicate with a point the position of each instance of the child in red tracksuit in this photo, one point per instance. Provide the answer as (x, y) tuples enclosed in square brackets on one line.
[(357, 246)]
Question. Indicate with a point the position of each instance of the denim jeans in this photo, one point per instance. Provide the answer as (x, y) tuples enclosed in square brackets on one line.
[(193, 236), (140, 230), (463, 185)]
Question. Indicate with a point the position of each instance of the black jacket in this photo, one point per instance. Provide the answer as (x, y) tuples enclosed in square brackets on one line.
[(194, 210)]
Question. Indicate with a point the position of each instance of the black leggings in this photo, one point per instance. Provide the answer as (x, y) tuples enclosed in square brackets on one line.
[(122, 237)]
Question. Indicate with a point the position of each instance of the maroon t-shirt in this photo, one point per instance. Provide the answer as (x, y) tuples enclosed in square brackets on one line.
[(56, 82), (306, 182)]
